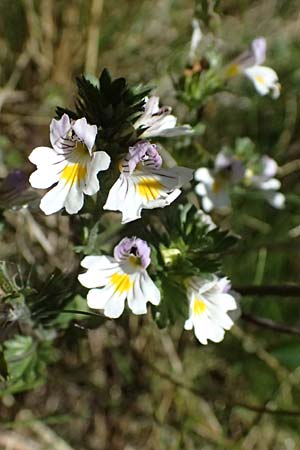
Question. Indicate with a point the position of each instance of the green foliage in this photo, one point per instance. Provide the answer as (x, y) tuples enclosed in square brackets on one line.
[(113, 107), (36, 313), (26, 361), (49, 299), (249, 366), (199, 82), (187, 246)]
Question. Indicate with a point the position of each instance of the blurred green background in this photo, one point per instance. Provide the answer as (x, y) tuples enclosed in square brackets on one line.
[(127, 385)]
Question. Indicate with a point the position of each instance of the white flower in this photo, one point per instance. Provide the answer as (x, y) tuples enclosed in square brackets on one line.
[(142, 184), (112, 280), (213, 190), (264, 78), (214, 185), (209, 302), (159, 121), (263, 177), (71, 163)]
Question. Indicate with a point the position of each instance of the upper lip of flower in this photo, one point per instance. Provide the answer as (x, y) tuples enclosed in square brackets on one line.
[(134, 251), (142, 154)]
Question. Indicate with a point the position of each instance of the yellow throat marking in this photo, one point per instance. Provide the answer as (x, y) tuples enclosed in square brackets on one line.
[(149, 188), (260, 79), (216, 187), (233, 70), (121, 282), (76, 172), (199, 307)]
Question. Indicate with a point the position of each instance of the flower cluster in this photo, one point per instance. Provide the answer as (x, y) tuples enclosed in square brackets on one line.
[(72, 165), (112, 280), (214, 185), (70, 168), (81, 147)]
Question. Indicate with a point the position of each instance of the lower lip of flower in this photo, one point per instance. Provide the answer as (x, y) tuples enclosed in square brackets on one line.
[(74, 173), (149, 188), (121, 282), (199, 307)]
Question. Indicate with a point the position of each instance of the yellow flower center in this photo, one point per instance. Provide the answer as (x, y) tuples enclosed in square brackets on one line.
[(260, 79), (121, 282), (149, 188), (216, 187), (233, 70), (76, 172), (199, 306)]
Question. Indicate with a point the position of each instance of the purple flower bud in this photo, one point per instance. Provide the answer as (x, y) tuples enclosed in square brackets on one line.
[(144, 152), (133, 247)]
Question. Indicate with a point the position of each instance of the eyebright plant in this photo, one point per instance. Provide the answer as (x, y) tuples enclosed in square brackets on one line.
[(146, 244)]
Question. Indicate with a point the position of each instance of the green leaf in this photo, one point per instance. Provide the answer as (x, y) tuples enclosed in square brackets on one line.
[(26, 361), (113, 107)]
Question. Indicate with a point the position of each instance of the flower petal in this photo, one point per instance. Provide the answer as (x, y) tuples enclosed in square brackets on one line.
[(270, 166), (207, 204), (136, 299), (122, 197), (94, 278), (44, 156), (222, 300), (188, 324), (58, 130), (55, 199), (115, 303), (74, 199), (271, 184), (183, 130), (151, 106), (276, 199), (86, 133), (145, 189), (206, 329), (97, 298), (99, 162), (98, 262), (204, 175), (150, 290), (100, 270), (259, 48), (264, 79)]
